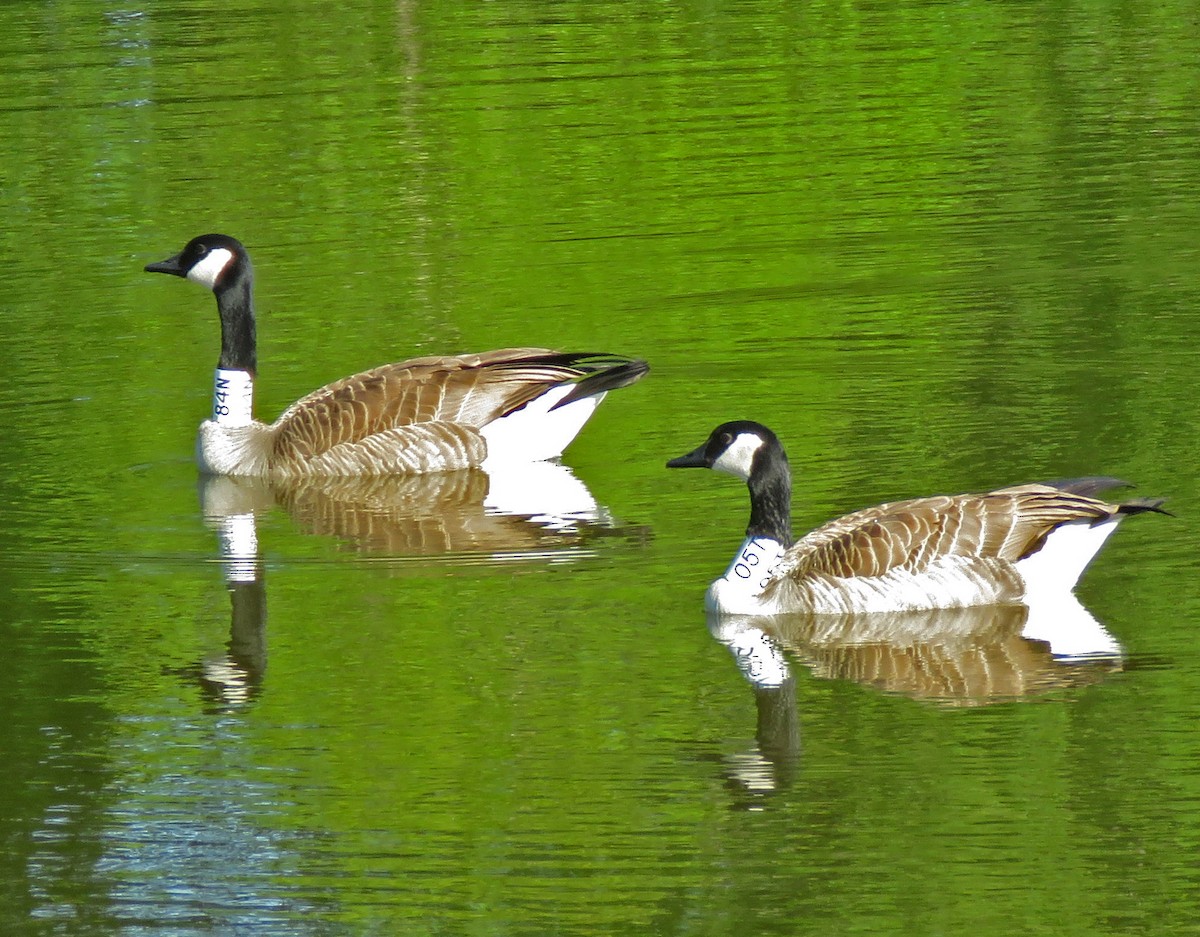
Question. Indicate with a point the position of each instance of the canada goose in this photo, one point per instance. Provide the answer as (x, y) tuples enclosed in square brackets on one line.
[(947, 551), (422, 415)]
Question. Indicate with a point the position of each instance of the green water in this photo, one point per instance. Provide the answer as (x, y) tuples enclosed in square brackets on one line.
[(935, 247)]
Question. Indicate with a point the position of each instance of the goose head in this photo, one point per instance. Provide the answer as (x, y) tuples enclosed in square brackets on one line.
[(221, 263), (739, 448), (751, 452), (216, 261)]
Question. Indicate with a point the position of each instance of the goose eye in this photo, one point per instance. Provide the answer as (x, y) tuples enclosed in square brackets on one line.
[(726, 439)]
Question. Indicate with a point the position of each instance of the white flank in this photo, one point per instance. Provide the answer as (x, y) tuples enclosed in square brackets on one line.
[(1068, 549), (210, 266), (533, 433), (738, 456), (951, 582), (233, 398), (738, 590), (1043, 579), (238, 535)]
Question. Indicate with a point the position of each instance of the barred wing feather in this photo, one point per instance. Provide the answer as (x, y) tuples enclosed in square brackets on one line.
[(466, 390), (1002, 525)]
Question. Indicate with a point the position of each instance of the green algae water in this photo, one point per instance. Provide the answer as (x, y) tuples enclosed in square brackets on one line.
[(935, 247)]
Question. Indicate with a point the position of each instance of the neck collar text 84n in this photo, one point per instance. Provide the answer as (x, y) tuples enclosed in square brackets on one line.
[(233, 397)]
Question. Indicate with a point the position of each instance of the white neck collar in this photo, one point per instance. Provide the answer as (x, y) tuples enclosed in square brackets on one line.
[(753, 564), (233, 398)]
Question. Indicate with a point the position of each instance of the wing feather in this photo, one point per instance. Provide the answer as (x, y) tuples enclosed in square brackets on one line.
[(467, 390), (1006, 525)]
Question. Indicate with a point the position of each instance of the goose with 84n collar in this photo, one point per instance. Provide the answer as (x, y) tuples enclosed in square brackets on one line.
[(428, 414), (948, 551)]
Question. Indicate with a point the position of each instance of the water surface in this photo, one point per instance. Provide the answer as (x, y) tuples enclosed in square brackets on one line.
[(936, 248)]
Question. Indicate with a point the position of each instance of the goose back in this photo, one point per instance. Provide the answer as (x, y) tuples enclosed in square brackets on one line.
[(418, 415), (942, 551)]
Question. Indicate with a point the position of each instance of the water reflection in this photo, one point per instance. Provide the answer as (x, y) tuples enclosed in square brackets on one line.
[(536, 512), (761, 769), (965, 656), (955, 657), (233, 677)]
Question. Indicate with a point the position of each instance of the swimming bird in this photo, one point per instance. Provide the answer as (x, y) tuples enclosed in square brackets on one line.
[(948, 551), (426, 414)]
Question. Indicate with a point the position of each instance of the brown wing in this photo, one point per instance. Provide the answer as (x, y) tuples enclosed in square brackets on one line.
[(1006, 524), (466, 390)]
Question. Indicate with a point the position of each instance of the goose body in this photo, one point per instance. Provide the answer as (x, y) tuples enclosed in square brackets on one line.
[(1019, 544), (428, 414)]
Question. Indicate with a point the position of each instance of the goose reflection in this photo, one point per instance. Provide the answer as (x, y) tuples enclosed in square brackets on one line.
[(964, 656), (533, 511), (536, 512), (769, 764), (953, 657), (234, 677)]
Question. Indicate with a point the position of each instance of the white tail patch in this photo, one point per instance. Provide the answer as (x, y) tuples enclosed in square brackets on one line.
[(1068, 549), (534, 433)]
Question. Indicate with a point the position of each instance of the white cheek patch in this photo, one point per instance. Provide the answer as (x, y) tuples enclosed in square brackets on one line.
[(209, 268), (739, 456)]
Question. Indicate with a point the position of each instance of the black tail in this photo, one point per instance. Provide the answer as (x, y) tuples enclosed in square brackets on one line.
[(1142, 505), (1093, 485), (602, 373)]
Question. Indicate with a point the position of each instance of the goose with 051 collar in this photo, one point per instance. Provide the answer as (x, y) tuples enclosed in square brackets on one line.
[(948, 551), (427, 414)]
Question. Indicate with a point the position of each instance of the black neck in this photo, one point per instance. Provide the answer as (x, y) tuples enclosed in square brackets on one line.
[(770, 485), (235, 303)]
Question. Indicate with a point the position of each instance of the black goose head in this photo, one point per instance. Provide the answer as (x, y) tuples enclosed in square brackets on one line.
[(221, 263), (213, 260), (739, 448), (751, 452)]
